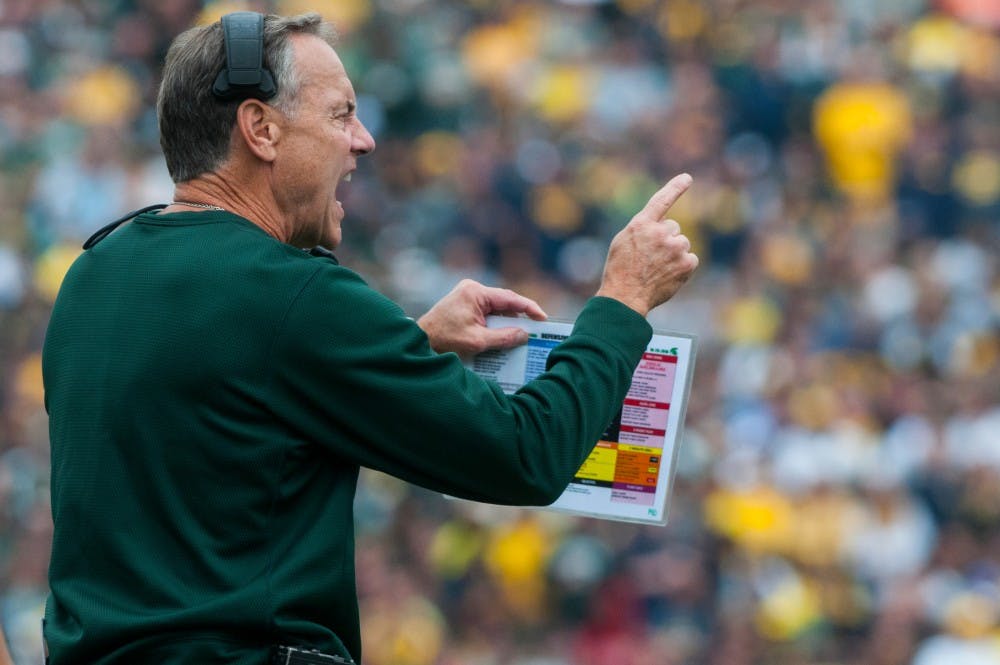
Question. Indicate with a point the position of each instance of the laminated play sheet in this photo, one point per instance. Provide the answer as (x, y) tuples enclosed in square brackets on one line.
[(629, 474)]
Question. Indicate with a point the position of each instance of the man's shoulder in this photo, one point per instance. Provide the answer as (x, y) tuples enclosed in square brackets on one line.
[(220, 252), (225, 239)]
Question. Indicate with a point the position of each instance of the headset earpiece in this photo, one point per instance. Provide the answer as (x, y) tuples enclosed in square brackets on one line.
[(244, 75)]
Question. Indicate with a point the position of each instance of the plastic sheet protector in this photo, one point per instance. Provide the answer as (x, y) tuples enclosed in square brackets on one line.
[(629, 474)]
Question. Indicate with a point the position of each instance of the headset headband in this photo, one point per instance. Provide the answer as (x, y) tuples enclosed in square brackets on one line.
[(244, 76)]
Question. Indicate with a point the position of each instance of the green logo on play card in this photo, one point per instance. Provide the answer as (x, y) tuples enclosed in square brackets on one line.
[(667, 352)]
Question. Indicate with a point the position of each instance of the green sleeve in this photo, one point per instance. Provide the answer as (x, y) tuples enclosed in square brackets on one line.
[(353, 373)]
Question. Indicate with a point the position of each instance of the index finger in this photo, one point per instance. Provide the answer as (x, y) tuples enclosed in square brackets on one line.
[(507, 302), (659, 204)]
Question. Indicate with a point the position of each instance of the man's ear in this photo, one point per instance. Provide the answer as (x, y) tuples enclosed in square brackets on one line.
[(257, 125)]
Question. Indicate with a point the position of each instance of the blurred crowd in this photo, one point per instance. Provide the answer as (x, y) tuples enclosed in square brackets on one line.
[(837, 492)]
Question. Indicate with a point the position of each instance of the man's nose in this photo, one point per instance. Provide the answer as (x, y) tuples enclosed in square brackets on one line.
[(362, 142)]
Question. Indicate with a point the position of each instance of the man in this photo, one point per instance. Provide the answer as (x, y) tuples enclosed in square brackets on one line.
[(213, 389)]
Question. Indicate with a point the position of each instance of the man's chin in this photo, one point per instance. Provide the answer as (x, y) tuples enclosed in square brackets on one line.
[(332, 233), (331, 236)]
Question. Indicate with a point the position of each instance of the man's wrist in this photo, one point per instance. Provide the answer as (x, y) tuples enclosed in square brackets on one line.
[(628, 300)]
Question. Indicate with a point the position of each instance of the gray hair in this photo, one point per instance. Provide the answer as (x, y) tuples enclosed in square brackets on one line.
[(196, 126)]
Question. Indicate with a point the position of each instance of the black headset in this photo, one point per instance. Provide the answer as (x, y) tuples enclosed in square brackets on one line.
[(244, 76)]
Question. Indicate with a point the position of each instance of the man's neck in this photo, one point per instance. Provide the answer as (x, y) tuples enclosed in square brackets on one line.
[(216, 189)]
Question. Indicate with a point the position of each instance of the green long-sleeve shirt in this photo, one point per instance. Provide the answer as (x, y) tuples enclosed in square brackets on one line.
[(212, 393)]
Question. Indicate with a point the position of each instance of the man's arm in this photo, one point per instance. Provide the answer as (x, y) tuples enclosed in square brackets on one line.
[(363, 381), (378, 396)]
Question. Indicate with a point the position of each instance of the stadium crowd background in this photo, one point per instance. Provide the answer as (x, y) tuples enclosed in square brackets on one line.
[(837, 497)]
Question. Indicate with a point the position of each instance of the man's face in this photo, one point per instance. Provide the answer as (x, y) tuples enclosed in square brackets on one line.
[(321, 141)]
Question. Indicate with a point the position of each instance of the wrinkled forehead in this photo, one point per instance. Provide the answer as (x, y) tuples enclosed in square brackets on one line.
[(320, 70)]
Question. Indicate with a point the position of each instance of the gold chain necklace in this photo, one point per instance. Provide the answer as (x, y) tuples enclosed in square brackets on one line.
[(204, 206)]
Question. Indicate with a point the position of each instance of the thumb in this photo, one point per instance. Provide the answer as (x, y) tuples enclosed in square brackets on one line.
[(504, 338)]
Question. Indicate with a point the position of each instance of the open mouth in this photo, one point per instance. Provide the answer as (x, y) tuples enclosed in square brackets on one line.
[(345, 178)]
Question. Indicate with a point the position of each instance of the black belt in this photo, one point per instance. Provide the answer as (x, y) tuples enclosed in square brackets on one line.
[(297, 656)]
